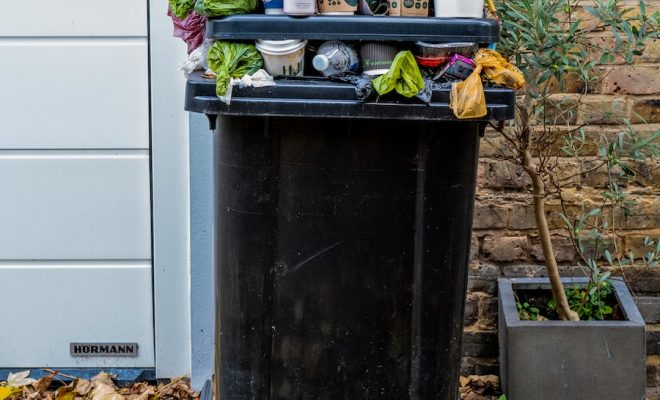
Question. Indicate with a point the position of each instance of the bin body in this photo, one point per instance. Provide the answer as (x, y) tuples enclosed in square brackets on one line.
[(342, 248)]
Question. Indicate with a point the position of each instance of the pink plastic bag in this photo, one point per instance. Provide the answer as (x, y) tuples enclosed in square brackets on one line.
[(191, 29)]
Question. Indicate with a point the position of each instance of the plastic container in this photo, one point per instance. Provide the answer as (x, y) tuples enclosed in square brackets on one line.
[(425, 49), (336, 58), (273, 7), (300, 7), (459, 8), (283, 57), (431, 62)]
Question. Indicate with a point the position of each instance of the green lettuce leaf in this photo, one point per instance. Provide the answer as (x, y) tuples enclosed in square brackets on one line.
[(181, 8), (218, 8), (232, 60)]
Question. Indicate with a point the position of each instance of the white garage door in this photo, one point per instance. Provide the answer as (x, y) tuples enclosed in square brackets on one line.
[(75, 241)]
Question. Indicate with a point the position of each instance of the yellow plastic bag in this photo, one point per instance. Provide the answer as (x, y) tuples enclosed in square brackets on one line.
[(497, 69), (467, 99)]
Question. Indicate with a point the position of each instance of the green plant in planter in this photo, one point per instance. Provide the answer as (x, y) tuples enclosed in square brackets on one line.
[(550, 44)]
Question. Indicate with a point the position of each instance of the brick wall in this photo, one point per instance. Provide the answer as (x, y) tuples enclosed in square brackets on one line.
[(505, 242)]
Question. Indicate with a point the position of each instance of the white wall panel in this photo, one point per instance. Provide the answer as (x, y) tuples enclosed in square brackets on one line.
[(74, 205), (74, 18), (49, 306), (74, 94), (171, 191)]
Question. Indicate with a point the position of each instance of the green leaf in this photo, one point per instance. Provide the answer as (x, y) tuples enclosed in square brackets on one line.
[(606, 58), (181, 8), (593, 212), (646, 141), (232, 60)]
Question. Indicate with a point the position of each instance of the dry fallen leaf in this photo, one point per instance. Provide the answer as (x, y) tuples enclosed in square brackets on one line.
[(83, 387), (43, 383), (20, 379), (100, 387), (479, 387), (65, 393), (105, 378)]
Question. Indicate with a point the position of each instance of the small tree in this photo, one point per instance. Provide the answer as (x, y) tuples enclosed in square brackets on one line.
[(551, 45)]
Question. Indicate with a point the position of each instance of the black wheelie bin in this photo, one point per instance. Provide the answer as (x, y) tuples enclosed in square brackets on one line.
[(343, 227)]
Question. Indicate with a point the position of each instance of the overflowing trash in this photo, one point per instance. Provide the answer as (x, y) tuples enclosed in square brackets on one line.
[(375, 68)]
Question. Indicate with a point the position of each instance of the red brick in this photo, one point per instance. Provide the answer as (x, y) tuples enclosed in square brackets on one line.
[(503, 175), (645, 109), (489, 216), (563, 249), (603, 109), (635, 243), (629, 79), (522, 216), (505, 249)]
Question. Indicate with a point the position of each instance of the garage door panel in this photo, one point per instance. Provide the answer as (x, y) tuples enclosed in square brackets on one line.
[(74, 94), (74, 205), (53, 305), (74, 18)]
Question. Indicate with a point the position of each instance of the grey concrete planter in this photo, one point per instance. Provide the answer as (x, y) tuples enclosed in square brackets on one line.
[(553, 360)]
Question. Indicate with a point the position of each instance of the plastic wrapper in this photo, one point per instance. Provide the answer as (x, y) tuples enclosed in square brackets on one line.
[(218, 8), (497, 69), (457, 69), (197, 59), (403, 76), (181, 8), (232, 60), (427, 91), (467, 98), (190, 29), (364, 87)]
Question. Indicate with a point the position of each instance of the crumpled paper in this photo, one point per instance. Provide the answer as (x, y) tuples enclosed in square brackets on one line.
[(197, 59), (258, 79)]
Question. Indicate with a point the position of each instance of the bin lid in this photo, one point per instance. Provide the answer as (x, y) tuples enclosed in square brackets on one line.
[(322, 98), (352, 28)]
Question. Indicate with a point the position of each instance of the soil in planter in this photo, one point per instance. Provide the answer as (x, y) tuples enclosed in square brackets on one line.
[(537, 305)]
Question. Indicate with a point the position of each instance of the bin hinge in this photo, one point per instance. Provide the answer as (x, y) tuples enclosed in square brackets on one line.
[(212, 121)]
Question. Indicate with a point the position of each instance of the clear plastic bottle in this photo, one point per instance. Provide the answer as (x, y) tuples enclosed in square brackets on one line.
[(336, 58)]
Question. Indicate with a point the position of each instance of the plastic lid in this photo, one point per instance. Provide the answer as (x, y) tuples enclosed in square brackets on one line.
[(279, 47), (321, 62)]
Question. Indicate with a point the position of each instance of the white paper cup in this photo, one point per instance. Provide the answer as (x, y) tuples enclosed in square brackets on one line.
[(283, 57), (459, 8)]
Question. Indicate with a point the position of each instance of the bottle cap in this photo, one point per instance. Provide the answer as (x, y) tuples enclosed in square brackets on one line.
[(320, 62)]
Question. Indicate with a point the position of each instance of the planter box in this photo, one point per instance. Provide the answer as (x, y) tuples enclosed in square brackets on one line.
[(552, 360)]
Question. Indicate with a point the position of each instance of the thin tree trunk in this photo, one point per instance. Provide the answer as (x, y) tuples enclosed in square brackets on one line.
[(538, 190)]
